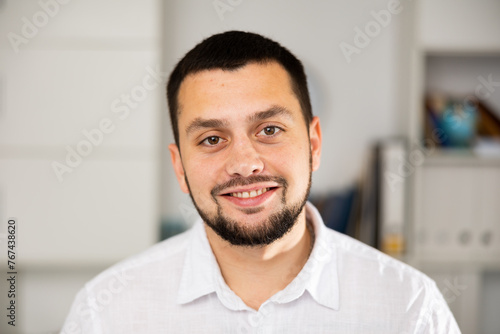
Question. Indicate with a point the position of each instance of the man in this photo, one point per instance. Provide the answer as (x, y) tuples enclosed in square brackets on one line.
[(261, 259)]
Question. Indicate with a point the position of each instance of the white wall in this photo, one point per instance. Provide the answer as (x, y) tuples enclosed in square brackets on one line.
[(73, 60)]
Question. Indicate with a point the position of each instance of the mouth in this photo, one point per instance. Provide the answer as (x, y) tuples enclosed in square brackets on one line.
[(249, 194), (250, 197)]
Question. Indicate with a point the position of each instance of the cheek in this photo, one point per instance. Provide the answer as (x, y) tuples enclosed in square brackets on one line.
[(292, 163), (201, 174)]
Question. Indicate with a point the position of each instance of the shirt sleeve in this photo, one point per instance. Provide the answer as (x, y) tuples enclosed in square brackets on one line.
[(82, 317), (438, 318)]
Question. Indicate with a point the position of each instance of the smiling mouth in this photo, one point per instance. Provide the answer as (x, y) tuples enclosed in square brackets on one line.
[(250, 194)]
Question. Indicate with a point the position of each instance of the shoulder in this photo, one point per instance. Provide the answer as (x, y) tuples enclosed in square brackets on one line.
[(389, 285), (364, 269), (130, 285), (153, 261), (354, 255)]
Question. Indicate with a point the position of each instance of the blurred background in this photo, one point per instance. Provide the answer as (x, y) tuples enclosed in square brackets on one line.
[(408, 94)]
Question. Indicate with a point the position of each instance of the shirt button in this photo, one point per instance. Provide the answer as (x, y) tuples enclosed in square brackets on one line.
[(255, 320)]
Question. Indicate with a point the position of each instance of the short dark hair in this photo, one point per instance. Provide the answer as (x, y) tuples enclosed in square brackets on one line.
[(232, 50)]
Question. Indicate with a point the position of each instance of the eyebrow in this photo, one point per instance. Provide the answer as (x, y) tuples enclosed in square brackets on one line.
[(202, 123), (271, 112)]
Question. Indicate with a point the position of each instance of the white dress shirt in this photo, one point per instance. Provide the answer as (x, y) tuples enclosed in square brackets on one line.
[(177, 287)]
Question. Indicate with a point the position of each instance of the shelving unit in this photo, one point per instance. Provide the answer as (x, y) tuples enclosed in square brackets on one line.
[(454, 210)]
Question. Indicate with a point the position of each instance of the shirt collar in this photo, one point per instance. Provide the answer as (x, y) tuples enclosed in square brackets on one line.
[(320, 271), (201, 274)]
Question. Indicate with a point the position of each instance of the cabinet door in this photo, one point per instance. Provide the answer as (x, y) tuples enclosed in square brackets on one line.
[(488, 229), (458, 213)]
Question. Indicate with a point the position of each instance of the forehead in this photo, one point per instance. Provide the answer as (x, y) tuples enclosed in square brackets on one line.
[(222, 93)]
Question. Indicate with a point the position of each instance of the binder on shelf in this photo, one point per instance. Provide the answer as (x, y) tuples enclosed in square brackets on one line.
[(381, 221), (380, 215), (394, 171)]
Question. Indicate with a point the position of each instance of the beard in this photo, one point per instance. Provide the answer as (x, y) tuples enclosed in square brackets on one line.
[(263, 233)]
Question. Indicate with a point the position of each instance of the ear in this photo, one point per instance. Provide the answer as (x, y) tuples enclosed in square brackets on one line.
[(315, 139), (178, 168)]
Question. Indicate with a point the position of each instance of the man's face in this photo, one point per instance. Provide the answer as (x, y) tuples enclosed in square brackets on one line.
[(247, 154)]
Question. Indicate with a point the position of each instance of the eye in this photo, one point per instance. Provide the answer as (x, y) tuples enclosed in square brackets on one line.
[(212, 140), (270, 130)]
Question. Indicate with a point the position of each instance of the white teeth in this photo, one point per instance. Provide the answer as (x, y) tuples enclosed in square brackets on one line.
[(253, 193)]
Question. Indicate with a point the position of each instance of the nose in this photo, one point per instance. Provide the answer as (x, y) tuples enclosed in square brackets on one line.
[(244, 160)]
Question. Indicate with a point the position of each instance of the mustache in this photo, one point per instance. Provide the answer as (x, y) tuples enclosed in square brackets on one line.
[(245, 181)]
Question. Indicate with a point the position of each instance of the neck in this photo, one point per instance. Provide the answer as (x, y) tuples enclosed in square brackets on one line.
[(257, 273)]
